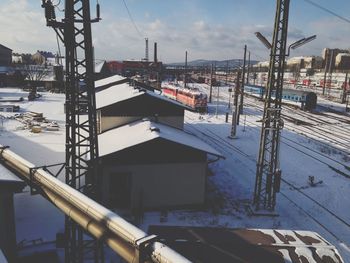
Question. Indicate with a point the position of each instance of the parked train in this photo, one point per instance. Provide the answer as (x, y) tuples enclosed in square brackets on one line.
[(191, 97), (307, 99)]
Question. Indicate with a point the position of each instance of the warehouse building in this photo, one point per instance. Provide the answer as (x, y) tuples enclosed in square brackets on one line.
[(151, 165), (9, 185), (123, 103), (5, 56)]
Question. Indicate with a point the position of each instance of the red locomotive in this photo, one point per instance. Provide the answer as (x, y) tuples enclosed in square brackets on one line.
[(190, 97)]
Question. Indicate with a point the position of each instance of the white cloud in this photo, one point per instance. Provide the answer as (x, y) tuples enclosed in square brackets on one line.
[(23, 28)]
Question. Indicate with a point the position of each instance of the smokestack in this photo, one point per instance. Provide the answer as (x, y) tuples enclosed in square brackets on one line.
[(155, 52), (146, 51)]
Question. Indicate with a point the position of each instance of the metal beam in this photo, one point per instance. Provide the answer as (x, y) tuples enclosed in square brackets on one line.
[(103, 224), (268, 173)]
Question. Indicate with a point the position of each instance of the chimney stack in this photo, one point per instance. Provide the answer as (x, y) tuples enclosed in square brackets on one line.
[(146, 49), (155, 52)]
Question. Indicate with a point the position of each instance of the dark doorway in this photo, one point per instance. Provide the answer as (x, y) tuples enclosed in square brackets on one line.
[(120, 190)]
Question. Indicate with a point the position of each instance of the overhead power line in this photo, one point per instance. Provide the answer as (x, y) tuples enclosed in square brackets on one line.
[(132, 20), (328, 11)]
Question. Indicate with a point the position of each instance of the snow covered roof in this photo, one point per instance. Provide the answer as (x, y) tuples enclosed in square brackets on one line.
[(2, 46), (99, 66), (143, 131), (6, 176), (202, 244), (125, 91), (116, 94), (2, 257), (109, 80)]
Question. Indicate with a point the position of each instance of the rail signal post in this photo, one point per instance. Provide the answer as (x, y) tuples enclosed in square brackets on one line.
[(81, 126), (268, 173)]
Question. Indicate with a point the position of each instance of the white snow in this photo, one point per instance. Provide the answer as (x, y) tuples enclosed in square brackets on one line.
[(304, 152), (116, 93), (106, 81), (143, 131), (8, 176), (124, 91)]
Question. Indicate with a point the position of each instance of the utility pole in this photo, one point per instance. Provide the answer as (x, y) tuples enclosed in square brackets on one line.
[(226, 72), (185, 73), (235, 110), (330, 72), (242, 85), (343, 99), (217, 101), (248, 68), (268, 173), (326, 66), (81, 133), (211, 83)]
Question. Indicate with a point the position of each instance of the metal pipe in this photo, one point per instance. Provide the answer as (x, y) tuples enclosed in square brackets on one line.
[(94, 217)]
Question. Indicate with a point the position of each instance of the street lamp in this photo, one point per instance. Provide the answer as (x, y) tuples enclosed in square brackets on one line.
[(300, 43), (293, 46), (263, 40)]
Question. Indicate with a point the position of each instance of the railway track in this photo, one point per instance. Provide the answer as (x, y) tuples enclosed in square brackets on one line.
[(214, 139), (315, 128)]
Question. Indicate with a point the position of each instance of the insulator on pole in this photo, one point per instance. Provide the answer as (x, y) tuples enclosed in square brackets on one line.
[(98, 11)]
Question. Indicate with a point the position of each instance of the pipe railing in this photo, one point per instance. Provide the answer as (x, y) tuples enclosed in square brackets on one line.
[(130, 242)]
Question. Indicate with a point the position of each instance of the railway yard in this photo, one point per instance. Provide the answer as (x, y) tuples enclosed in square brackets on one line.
[(313, 145), (114, 151)]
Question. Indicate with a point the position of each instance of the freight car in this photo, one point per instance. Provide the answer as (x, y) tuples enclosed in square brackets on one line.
[(192, 98), (307, 99)]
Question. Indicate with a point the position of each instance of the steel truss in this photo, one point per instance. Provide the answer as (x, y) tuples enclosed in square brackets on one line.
[(268, 173), (81, 126)]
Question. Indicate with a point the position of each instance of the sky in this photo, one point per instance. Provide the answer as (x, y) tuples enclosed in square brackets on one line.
[(207, 29)]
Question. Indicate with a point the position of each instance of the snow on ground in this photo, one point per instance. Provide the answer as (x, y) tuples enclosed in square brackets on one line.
[(323, 208)]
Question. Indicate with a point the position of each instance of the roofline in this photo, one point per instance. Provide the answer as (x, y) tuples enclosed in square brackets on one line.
[(164, 139), (145, 92), (5, 47)]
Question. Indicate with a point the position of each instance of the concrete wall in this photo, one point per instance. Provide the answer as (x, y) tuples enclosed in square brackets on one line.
[(160, 185), (109, 122)]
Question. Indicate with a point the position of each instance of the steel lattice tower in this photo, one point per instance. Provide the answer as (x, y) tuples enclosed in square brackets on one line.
[(268, 173), (80, 106)]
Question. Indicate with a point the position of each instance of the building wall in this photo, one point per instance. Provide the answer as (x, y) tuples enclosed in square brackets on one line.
[(7, 224), (109, 122), (157, 185), (5, 56)]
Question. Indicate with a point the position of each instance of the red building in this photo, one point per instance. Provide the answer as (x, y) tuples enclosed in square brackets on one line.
[(116, 67)]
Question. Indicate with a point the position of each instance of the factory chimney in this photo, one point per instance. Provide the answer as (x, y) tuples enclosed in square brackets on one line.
[(146, 51), (155, 52)]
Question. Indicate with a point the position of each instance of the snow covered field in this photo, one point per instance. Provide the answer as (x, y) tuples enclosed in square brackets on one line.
[(305, 151)]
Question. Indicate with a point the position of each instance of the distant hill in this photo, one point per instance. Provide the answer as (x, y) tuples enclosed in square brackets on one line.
[(217, 63)]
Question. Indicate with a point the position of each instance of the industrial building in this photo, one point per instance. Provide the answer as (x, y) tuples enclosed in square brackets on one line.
[(152, 165), (5, 56), (9, 185), (148, 160), (123, 103)]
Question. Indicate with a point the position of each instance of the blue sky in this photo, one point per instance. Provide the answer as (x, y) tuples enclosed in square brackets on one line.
[(208, 29)]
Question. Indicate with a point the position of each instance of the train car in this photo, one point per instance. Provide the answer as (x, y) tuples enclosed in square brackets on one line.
[(255, 89), (169, 92), (307, 99), (192, 98)]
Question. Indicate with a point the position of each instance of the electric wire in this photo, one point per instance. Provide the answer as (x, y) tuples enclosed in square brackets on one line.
[(328, 11), (132, 20)]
